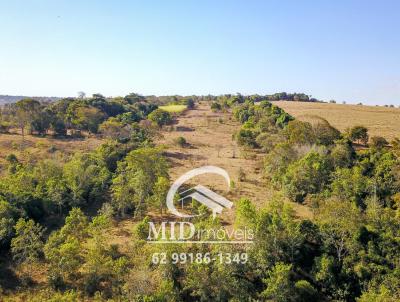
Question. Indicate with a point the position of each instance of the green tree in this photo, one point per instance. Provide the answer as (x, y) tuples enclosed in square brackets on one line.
[(217, 282), (350, 185), (189, 103), (277, 161), (87, 177), (160, 117), (359, 134), (19, 188), (84, 117), (181, 141), (26, 111), (110, 152), (279, 286), (247, 138), (7, 221), (136, 178), (267, 141), (114, 129), (338, 222), (298, 132), (325, 134), (64, 248), (342, 154), (27, 245), (51, 186), (324, 273), (276, 221), (160, 190), (305, 292), (246, 214), (309, 175), (378, 142), (41, 123), (133, 98)]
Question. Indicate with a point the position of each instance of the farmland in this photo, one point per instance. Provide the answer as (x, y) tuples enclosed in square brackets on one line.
[(382, 121)]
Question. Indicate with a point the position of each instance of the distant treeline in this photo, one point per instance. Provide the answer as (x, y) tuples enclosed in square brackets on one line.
[(5, 99), (60, 116), (280, 96), (89, 114)]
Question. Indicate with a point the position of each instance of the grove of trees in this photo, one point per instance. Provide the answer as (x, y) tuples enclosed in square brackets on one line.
[(57, 217)]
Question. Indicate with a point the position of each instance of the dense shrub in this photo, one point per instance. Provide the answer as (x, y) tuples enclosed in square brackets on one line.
[(160, 117), (309, 175)]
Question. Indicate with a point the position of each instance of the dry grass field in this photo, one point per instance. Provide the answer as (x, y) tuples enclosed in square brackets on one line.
[(209, 142), (33, 148), (382, 121), (209, 138)]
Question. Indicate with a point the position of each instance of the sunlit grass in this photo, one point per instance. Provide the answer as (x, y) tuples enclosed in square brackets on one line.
[(173, 108)]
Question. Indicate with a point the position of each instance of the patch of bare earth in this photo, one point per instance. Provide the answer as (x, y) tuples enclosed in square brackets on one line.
[(210, 142)]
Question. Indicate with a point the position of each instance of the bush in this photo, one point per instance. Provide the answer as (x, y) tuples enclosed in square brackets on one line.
[(181, 141), (52, 149), (309, 175), (305, 291), (378, 142), (5, 127), (189, 103), (246, 213), (241, 175), (246, 138), (216, 106), (141, 230), (268, 141), (55, 280), (7, 222), (12, 158), (59, 128), (160, 117)]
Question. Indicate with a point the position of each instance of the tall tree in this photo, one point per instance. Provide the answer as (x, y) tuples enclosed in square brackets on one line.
[(27, 245), (27, 110)]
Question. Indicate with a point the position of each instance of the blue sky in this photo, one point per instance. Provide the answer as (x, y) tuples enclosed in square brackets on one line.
[(343, 50)]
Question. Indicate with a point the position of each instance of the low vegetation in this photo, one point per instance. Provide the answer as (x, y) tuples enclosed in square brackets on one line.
[(57, 216)]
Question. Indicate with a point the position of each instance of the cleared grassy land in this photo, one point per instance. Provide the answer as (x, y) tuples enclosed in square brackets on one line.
[(382, 121), (37, 148), (209, 136), (174, 108)]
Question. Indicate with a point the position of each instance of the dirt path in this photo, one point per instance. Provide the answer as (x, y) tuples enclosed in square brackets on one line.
[(209, 136)]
